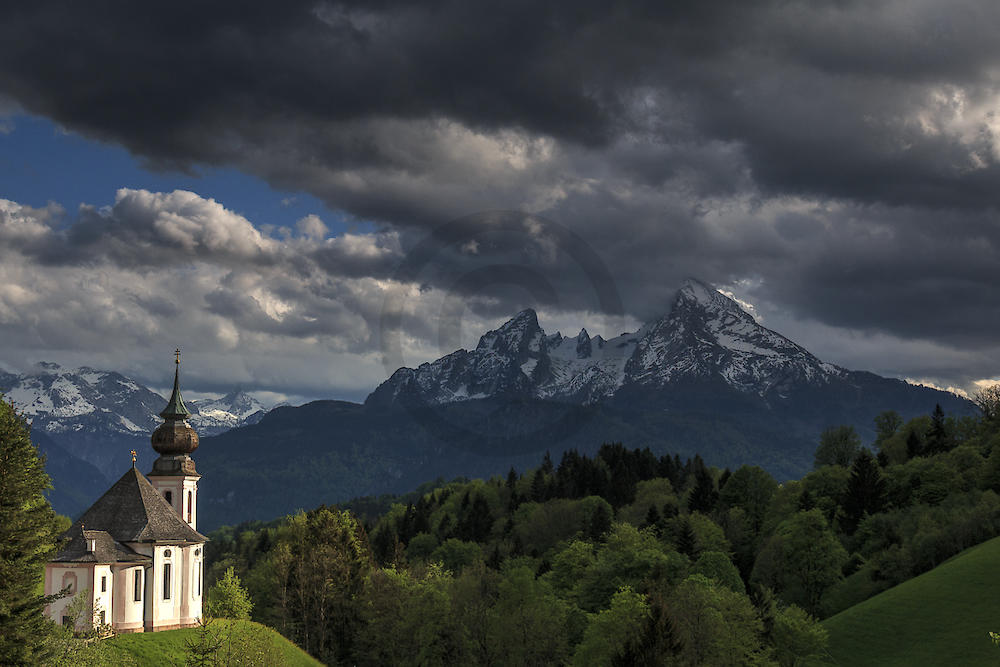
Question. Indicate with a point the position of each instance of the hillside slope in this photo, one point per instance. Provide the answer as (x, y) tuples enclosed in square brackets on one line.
[(169, 647), (941, 617)]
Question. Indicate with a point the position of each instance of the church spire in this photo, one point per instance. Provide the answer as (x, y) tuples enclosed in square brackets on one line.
[(175, 406), (175, 437)]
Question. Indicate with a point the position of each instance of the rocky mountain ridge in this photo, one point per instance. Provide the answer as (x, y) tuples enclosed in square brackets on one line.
[(705, 335)]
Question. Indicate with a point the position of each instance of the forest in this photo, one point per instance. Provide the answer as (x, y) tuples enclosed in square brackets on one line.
[(624, 557)]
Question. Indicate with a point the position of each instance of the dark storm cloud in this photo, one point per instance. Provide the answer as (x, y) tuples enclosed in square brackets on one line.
[(820, 94)]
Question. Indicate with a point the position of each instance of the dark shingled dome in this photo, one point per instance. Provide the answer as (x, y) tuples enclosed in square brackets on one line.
[(175, 436)]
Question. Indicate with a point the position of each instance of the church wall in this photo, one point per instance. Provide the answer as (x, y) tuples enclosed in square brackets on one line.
[(81, 576), (103, 589), (197, 581), (128, 612), (173, 485), (190, 601), (166, 611), (190, 505)]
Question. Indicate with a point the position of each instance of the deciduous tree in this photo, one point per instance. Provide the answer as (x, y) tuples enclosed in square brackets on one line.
[(228, 599), (838, 445)]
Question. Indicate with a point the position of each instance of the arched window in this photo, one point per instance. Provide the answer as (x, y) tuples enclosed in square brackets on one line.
[(69, 582), (189, 507), (169, 496)]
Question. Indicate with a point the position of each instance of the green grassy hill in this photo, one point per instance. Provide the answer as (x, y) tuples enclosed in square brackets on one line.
[(169, 647), (941, 617)]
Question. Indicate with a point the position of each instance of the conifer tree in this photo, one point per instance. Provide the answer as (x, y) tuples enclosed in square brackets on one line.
[(27, 541), (652, 517), (687, 542), (538, 487), (512, 478), (547, 466), (202, 650), (937, 434), (599, 524), (914, 447), (704, 496), (866, 490)]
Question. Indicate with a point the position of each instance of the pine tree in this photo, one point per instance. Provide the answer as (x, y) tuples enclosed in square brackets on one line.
[(539, 488), (937, 434), (512, 478), (687, 541), (914, 447), (203, 649), (27, 541), (704, 496), (599, 524), (547, 466), (866, 490), (657, 642)]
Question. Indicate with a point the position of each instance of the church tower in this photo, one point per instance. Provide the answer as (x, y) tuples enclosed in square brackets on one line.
[(173, 475)]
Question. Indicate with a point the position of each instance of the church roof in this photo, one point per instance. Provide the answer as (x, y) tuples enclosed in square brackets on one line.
[(132, 511), (106, 549)]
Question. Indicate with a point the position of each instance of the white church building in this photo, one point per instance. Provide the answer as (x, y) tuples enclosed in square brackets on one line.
[(136, 553)]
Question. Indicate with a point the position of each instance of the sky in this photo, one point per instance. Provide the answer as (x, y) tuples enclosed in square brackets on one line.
[(304, 196)]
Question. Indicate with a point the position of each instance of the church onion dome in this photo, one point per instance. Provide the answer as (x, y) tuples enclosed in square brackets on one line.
[(175, 437)]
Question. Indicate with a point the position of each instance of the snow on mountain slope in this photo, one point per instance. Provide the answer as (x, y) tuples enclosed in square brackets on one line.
[(212, 416), (61, 400), (706, 335)]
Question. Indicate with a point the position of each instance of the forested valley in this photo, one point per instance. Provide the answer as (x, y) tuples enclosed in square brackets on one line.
[(625, 557)]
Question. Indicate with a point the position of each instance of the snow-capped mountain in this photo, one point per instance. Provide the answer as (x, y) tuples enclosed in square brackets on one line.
[(98, 416), (61, 401), (705, 336), (210, 416)]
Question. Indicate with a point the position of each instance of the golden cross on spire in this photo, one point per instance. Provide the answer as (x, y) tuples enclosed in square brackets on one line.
[(133, 458), (177, 356)]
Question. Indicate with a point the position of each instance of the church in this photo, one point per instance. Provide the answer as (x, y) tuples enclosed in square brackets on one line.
[(136, 553)]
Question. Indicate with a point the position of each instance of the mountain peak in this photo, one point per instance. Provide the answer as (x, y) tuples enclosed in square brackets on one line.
[(528, 316), (515, 333), (695, 292), (583, 345)]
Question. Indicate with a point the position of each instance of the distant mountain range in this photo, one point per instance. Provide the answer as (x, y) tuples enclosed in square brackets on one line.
[(704, 378), (87, 420)]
